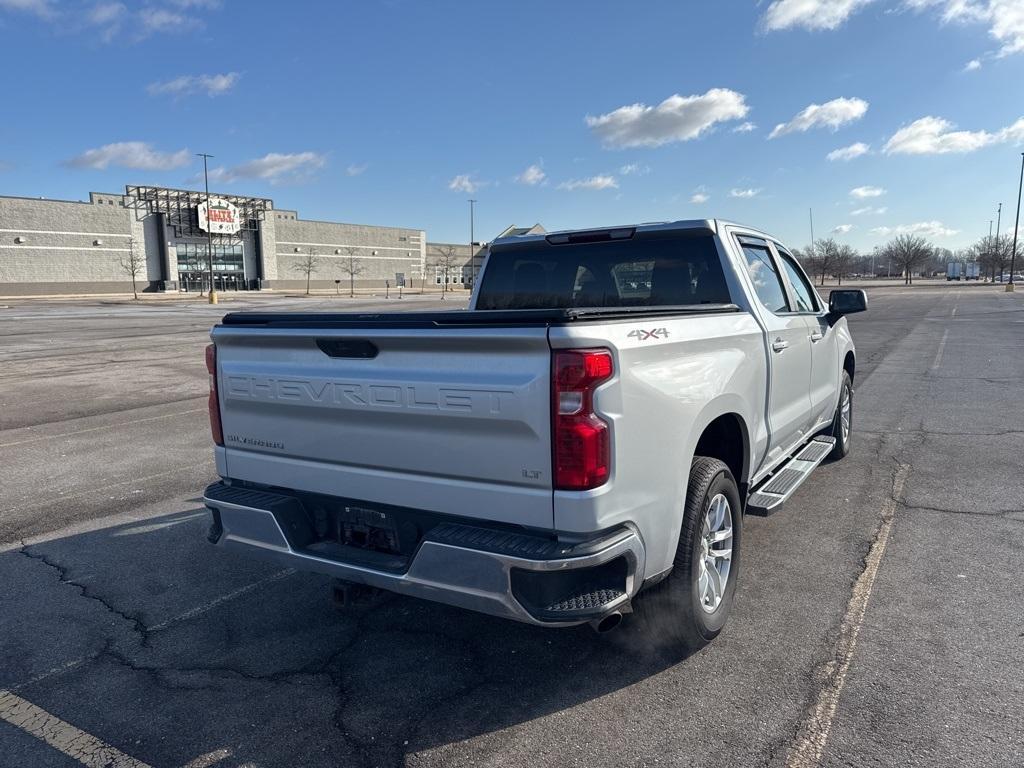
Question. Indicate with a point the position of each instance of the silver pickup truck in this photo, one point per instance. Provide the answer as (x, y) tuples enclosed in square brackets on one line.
[(581, 443)]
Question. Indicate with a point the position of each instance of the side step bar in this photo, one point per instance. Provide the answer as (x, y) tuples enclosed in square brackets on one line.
[(769, 497)]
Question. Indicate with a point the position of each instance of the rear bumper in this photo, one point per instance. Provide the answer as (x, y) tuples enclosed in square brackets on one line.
[(517, 576)]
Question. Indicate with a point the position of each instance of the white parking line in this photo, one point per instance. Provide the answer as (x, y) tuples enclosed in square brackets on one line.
[(942, 348), (64, 737), (210, 758), (810, 745), (201, 609), (105, 426)]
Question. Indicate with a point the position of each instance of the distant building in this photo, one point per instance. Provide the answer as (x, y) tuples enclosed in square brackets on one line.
[(459, 264), (61, 246)]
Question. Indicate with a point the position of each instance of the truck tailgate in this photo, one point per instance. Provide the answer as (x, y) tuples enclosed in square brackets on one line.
[(453, 420)]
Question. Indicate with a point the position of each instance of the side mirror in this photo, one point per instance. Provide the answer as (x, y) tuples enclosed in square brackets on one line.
[(846, 301)]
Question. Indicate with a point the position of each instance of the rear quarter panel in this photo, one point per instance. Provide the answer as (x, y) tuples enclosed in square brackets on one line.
[(665, 390)]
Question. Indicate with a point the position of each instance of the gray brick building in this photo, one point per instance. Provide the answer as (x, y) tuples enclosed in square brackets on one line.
[(60, 246)]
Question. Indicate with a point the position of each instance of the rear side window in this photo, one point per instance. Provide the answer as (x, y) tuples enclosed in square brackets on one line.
[(676, 271), (767, 283), (804, 293)]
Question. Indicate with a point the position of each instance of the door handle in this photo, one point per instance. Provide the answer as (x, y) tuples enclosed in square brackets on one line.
[(779, 344), (817, 335)]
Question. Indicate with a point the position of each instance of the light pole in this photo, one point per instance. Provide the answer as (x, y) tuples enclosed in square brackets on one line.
[(472, 255), (209, 234), (999, 218), (1016, 226)]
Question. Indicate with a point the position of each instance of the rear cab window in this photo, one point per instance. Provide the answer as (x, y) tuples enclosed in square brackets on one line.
[(647, 270)]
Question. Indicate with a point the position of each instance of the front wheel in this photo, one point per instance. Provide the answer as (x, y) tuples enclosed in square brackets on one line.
[(689, 608), (842, 422)]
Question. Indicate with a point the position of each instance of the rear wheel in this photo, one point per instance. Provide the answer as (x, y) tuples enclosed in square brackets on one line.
[(690, 607), (842, 422)]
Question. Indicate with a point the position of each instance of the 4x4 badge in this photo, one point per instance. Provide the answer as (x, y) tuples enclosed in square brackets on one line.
[(641, 334)]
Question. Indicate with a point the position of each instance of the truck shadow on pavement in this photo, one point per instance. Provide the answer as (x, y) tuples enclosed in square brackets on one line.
[(167, 648)]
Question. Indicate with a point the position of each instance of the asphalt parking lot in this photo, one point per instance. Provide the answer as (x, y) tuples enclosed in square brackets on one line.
[(878, 620)]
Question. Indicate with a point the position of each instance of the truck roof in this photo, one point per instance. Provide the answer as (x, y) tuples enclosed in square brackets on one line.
[(647, 226)]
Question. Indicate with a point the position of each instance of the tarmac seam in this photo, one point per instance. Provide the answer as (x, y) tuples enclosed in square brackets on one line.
[(813, 732)]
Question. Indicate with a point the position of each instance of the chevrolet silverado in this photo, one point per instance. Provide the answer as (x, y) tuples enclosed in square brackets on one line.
[(583, 442)]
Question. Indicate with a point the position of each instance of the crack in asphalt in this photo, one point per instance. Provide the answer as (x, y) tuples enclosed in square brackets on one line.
[(136, 623), (1004, 514), (368, 751)]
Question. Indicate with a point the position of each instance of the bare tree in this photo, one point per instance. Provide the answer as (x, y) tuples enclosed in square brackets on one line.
[(352, 268), (445, 259), (134, 264), (819, 257), (908, 252), (307, 265), (843, 260), (993, 254)]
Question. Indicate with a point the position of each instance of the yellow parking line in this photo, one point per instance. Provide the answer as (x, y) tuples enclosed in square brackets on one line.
[(76, 743), (64, 737), (809, 748)]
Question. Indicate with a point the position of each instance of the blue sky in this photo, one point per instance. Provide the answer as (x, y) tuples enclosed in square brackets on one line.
[(571, 113)]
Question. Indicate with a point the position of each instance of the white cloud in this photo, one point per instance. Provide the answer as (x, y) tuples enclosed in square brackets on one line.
[(850, 152), (138, 155), (842, 229), (744, 193), (356, 170), (869, 211), (831, 114), (699, 198), (104, 14), (864, 193), (810, 14), (41, 8), (1005, 18), (211, 85), (532, 176), (464, 182), (677, 118), (746, 127), (107, 19), (631, 169), (151, 20), (601, 181), (932, 229), (972, 65), (274, 167), (935, 136)]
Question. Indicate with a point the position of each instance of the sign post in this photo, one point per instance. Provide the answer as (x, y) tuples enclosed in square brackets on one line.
[(219, 216)]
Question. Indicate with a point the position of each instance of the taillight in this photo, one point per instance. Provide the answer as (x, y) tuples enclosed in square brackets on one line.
[(213, 404), (581, 453)]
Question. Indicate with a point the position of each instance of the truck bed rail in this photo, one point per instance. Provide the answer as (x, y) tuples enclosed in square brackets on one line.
[(466, 318)]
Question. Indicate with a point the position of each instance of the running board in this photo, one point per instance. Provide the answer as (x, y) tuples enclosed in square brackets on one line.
[(769, 497)]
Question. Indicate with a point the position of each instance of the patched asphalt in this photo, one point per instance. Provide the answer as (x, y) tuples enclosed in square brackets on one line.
[(119, 618)]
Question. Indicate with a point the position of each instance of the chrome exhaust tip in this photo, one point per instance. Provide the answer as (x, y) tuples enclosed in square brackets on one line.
[(607, 623)]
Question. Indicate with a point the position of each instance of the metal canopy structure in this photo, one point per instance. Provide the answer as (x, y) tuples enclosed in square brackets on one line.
[(180, 207)]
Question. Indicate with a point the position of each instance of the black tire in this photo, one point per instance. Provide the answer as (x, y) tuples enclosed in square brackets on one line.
[(842, 446), (670, 612)]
